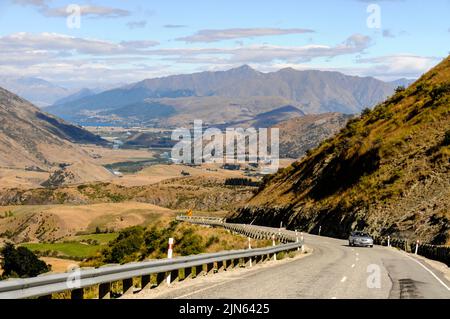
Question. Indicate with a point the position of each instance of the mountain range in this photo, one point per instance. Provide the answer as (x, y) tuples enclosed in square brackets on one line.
[(226, 96), (40, 92), (386, 172)]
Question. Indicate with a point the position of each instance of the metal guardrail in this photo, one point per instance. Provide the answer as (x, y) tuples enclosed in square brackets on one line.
[(436, 252), (44, 286)]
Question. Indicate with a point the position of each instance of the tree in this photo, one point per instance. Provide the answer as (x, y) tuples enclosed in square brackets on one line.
[(400, 88), (21, 262), (366, 111), (126, 246)]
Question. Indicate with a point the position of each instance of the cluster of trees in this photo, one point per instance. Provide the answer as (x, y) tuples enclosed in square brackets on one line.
[(241, 182), (138, 243), (21, 262)]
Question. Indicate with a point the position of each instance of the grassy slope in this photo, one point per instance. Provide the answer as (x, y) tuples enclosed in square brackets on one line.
[(74, 249), (387, 171)]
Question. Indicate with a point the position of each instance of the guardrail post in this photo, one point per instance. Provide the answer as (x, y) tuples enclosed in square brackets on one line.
[(273, 244), (104, 291), (417, 247), (259, 259), (160, 278), (145, 282), (77, 293), (209, 268), (198, 270), (172, 276), (187, 273), (222, 265), (228, 263), (127, 286)]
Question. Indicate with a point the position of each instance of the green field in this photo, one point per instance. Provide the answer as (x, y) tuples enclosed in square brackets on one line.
[(75, 246), (70, 249), (102, 239)]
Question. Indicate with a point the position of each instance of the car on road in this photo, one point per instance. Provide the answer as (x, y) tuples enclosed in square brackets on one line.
[(359, 238)]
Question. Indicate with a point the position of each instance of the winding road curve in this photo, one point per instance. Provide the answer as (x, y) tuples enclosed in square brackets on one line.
[(334, 270)]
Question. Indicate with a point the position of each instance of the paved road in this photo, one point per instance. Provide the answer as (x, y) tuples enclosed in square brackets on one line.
[(333, 270)]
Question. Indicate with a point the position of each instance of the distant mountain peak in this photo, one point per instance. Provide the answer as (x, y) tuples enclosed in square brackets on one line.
[(288, 69), (243, 68)]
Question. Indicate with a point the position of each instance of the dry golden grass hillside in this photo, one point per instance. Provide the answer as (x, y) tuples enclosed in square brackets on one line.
[(387, 171)]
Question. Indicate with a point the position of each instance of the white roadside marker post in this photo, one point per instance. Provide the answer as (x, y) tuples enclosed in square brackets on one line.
[(303, 242), (320, 229), (250, 247), (296, 236), (389, 241), (273, 244), (417, 247), (169, 256)]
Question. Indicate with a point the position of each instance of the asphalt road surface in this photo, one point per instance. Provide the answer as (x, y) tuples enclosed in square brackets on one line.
[(333, 271)]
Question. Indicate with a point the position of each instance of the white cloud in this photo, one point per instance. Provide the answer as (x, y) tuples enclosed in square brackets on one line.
[(64, 44), (55, 56), (35, 3), (91, 11), (400, 65), (174, 26), (388, 34), (137, 24), (238, 33)]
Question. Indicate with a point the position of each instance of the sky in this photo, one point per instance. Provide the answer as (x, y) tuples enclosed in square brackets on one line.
[(118, 41)]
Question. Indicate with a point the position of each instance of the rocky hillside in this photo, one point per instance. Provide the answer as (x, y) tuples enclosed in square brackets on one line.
[(387, 171), (300, 134), (31, 139)]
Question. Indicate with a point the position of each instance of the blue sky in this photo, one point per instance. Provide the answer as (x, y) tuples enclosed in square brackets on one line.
[(126, 41)]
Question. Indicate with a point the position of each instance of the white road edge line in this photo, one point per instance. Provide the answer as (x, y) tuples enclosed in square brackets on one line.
[(432, 273), (344, 279)]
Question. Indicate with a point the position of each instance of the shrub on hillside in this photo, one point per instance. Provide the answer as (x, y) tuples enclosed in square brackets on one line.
[(366, 111), (189, 243), (446, 141), (126, 246), (21, 262)]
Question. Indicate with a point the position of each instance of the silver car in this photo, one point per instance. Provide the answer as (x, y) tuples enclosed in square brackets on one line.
[(359, 238)]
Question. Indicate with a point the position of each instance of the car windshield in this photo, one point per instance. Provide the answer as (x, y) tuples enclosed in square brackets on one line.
[(361, 234)]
